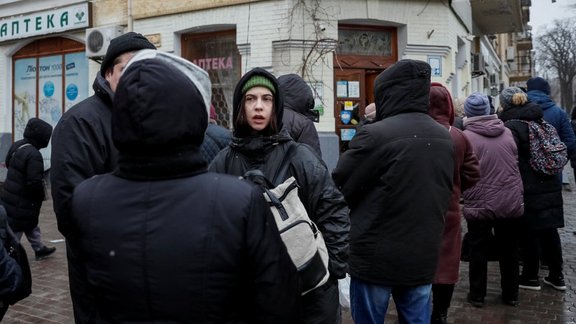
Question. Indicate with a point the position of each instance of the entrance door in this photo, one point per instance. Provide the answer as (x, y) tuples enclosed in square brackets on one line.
[(354, 91)]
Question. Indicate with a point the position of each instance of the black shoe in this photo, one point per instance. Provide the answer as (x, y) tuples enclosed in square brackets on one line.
[(556, 283), (476, 302), (44, 252), (439, 318), (510, 302), (530, 284)]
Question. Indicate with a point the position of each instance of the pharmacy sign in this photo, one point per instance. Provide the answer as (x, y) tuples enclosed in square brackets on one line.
[(45, 22)]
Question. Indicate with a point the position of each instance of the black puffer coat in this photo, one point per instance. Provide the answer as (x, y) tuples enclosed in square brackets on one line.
[(324, 203), (163, 241), (81, 147), (543, 203), (397, 179), (298, 105), (24, 187)]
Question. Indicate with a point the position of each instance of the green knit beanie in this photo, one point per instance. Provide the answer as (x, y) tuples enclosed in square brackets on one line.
[(258, 81)]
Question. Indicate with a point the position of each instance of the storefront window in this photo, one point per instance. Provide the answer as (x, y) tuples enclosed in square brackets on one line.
[(217, 53), (48, 79), (50, 76)]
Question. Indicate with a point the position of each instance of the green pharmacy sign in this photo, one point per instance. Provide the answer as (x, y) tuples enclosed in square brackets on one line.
[(45, 22)]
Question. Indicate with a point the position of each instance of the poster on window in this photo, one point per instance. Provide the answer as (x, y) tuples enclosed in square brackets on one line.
[(24, 94), (76, 79), (50, 89)]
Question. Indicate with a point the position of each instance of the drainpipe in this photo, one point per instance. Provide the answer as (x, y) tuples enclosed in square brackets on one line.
[(130, 19)]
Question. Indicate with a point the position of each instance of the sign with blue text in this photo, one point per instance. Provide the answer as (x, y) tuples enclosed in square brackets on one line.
[(45, 22)]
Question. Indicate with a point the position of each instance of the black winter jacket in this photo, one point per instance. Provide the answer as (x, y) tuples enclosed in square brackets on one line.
[(10, 271), (397, 179), (324, 203), (23, 191), (81, 148), (543, 202), (160, 240), (298, 105)]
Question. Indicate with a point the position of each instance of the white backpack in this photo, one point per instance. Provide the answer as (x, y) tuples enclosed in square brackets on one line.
[(300, 235)]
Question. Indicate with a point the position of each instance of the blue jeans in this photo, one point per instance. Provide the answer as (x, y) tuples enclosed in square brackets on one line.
[(369, 302)]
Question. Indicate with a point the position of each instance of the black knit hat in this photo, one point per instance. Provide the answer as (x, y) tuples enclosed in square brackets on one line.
[(128, 42)]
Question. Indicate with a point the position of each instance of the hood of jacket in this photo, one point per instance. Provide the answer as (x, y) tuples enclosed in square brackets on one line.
[(159, 119), (441, 106), (529, 111), (489, 125), (402, 88), (237, 99), (541, 98), (38, 132), (298, 95)]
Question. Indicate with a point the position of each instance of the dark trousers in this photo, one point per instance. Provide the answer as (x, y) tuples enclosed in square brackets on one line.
[(321, 305), (504, 232), (541, 242), (441, 298)]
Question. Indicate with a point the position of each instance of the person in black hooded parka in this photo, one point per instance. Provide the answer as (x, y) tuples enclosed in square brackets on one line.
[(23, 190), (298, 117), (174, 243), (260, 142)]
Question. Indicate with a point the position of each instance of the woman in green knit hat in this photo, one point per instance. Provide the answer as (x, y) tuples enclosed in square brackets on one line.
[(260, 142)]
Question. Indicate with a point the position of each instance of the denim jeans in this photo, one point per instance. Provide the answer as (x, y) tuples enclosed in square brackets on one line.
[(369, 302)]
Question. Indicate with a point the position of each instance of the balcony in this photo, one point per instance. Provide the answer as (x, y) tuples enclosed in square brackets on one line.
[(497, 16), (521, 69)]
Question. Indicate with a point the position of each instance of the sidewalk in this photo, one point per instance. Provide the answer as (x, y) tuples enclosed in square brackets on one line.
[(50, 299)]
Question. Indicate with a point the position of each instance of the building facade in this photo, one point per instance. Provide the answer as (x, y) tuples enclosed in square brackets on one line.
[(50, 50)]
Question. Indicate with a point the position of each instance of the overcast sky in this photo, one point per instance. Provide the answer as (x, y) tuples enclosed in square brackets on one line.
[(544, 12)]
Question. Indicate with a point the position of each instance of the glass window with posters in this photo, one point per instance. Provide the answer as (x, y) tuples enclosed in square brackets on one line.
[(217, 53), (49, 77)]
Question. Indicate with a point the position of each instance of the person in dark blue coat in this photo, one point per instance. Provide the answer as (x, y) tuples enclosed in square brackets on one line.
[(538, 90), (174, 243), (215, 139)]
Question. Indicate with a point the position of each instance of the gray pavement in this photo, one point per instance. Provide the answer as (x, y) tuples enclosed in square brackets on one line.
[(50, 299)]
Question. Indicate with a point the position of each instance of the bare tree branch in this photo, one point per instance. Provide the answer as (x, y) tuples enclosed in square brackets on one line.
[(556, 54)]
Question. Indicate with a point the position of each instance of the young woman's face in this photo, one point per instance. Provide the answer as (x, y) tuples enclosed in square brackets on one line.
[(258, 106)]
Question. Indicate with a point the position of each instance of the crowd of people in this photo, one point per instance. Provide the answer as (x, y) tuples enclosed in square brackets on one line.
[(148, 192)]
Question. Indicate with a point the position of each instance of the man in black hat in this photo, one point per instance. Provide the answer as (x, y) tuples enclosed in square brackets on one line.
[(82, 143)]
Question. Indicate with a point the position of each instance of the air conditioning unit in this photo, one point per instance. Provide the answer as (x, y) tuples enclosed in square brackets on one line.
[(477, 62), (98, 39)]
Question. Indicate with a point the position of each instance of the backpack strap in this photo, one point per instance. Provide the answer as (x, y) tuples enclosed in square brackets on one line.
[(19, 147), (283, 169)]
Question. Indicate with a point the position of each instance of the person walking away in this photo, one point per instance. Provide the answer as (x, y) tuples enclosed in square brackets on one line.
[(543, 204), (193, 258), (298, 117), (82, 143), (492, 207), (397, 178), (260, 142), (466, 174), (23, 191), (216, 138), (539, 93)]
